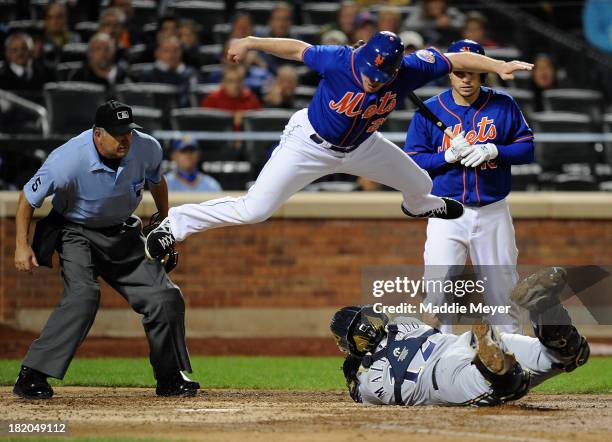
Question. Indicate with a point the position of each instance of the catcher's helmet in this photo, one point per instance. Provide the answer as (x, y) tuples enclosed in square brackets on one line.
[(358, 329), (467, 45), (381, 56)]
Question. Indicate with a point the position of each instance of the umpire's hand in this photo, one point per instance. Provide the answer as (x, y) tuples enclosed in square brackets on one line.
[(25, 259)]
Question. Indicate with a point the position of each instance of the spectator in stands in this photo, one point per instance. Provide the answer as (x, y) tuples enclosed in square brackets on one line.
[(436, 21), (543, 77), (186, 177), (475, 28), (56, 32), (169, 68), (365, 27), (366, 185), (101, 67), (188, 35), (232, 94), (113, 22), (242, 26), (345, 21), (413, 41), (389, 19), (281, 92), (281, 20), (20, 72), (334, 37), (168, 23)]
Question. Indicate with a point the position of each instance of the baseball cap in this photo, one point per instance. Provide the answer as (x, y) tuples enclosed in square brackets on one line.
[(115, 117), (184, 143), (412, 38)]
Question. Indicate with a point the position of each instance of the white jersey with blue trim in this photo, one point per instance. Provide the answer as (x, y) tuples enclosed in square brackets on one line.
[(344, 114)]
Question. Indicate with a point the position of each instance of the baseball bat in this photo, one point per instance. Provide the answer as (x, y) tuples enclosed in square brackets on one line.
[(427, 113)]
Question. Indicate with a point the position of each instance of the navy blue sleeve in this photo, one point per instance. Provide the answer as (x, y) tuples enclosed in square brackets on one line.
[(321, 57), (518, 147), (420, 146), (425, 65)]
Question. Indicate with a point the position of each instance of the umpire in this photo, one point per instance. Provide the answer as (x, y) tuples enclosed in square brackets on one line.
[(97, 180)]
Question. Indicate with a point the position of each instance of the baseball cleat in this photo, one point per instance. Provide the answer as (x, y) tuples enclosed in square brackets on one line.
[(32, 384), (176, 385), (160, 242), (450, 209), (540, 291), (489, 349)]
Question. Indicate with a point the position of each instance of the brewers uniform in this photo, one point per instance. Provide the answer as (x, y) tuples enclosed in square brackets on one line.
[(485, 232)]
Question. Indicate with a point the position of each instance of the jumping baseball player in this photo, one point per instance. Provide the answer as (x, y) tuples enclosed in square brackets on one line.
[(338, 133), (409, 363), (477, 175)]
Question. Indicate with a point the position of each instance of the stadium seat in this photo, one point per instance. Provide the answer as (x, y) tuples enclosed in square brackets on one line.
[(207, 71), (232, 175), (65, 70), (319, 13), (259, 11), (267, 120), (74, 52), (72, 105), (155, 95), (553, 155), (203, 119), (145, 11), (585, 101), (20, 115), (522, 80), (204, 13), (607, 126), (505, 53), (332, 186), (525, 176), (309, 33), (398, 121), (136, 69), (211, 54), (86, 29), (149, 118)]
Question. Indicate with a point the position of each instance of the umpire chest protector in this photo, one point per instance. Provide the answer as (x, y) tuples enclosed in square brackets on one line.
[(399, 354)]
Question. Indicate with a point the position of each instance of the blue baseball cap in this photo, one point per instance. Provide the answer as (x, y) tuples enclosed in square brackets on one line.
[(466, 46), (184, 143)]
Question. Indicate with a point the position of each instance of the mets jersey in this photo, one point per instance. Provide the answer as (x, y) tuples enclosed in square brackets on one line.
[(341, 112), (493, 118)]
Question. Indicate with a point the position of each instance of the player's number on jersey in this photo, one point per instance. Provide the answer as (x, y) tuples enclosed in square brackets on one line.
[(376, 125), (36, 183)]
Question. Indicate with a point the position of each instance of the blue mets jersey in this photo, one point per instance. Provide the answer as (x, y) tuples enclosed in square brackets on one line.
[(341, 112), (493, 118)]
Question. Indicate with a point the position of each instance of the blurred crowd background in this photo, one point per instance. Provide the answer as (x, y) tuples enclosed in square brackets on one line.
[(166, 59)]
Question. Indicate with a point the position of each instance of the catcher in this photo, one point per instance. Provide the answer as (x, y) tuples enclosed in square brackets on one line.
[(409, 363)]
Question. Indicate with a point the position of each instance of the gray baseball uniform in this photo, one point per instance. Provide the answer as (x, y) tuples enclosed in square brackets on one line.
[(441, 370)]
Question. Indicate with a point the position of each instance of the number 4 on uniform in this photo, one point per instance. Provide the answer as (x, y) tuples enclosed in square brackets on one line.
[(36, 183)]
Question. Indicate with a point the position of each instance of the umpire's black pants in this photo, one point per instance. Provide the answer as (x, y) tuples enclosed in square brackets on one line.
[(117, 255)]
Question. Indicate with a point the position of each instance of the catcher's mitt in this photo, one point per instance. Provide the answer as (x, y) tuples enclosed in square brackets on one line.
[(350, 367), (171, 260)]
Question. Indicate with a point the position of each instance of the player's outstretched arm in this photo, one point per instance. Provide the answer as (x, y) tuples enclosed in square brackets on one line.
[(286, 48), (470, 62)]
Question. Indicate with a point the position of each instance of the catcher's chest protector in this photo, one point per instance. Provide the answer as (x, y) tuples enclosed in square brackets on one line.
[(400, 354)]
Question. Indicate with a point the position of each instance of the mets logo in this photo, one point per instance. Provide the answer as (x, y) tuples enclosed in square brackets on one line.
[(379, 60), (465, 49), (486, 131), (351, 103)]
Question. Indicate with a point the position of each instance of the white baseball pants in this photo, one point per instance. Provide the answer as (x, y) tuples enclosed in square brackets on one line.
[(295, 163), (487, 235)]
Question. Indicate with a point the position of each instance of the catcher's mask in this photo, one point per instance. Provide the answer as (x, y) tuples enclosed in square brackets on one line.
[(358, 329)]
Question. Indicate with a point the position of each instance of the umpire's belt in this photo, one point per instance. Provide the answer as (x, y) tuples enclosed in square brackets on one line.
[(346, 149)]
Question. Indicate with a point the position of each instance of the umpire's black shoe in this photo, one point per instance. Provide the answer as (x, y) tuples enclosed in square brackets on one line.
[(32, 384), (176, 385), (160, 242), (451, 209)]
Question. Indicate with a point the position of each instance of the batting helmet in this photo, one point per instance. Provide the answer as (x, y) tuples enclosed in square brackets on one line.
[(381, 56), (358, 329), (467, 45)]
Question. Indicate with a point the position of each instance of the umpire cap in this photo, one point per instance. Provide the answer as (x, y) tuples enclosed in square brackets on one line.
[(115, 117)]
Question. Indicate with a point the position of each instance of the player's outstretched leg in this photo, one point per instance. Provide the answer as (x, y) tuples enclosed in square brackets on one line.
[(500, 368), (552, 325), (450, 209)]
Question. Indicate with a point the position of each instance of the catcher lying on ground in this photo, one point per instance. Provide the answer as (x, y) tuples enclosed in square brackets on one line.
[(424, 367)]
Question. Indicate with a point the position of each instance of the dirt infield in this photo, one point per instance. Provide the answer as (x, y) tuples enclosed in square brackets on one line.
[(231, 415)]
